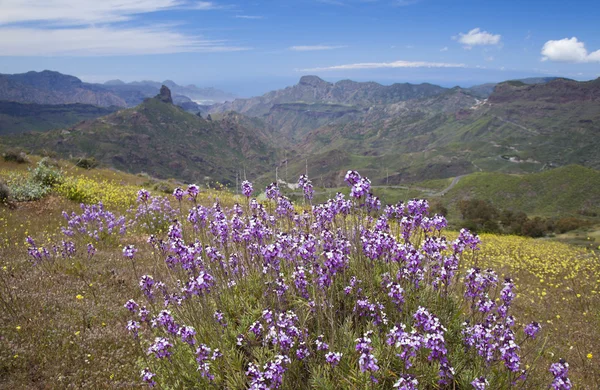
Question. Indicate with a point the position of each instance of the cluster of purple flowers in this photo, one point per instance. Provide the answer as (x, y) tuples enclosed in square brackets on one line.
[(302, 261), (95, 222), (153, 213), (64, 249), (560, 372), (367, 361), (359, 186), (271, 377), (307, 187)]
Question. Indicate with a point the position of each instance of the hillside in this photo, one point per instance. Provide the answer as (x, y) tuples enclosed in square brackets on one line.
[(485, 90), (520, 129), (21, 117), (163, 140), (565, 190), (312, 89), (50, 87)]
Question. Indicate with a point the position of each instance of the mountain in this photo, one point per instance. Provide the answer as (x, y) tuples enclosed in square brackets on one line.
[(48, 87), (163, 140), (521, 128), (21, 117), (485, 90), (312, 103), (312, 89), (135, 92)]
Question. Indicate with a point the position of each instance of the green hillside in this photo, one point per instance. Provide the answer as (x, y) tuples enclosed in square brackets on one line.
[(163, 140), (565, 190), (21, 117)]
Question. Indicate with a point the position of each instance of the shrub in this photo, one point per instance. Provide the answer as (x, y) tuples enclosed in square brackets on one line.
[(163, 187), (4, 192), (534, 227), (90, 191), (22, 188), (567, 224), (15, 156), (46, 174), (86, 162)]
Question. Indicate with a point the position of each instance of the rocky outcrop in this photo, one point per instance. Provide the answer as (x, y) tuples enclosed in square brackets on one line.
[(165, 95)]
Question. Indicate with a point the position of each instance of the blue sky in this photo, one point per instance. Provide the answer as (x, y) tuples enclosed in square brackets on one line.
[(250, 47)]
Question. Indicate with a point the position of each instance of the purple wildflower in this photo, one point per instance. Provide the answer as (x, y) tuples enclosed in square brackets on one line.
[(247, 188), (406, 382), (178, 193), (560, 371), (129, 251), (532, 329), (160, 348), (147, 377), (480, 383), (333, 358)]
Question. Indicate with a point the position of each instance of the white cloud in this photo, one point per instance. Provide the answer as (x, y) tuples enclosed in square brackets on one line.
[(382, 65), (568, 50), (94, 27), (315, 48), (99, 41), (404, 3), (78, 12), (249, 17), (445, 48), (476, 37)]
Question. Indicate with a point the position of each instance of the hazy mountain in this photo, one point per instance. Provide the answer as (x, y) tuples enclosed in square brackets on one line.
[(520, 129), (312, 89), (163, 140), (21, 117), (50, 87), (134, 92), (394, 134), (485, 90), (312, 103)]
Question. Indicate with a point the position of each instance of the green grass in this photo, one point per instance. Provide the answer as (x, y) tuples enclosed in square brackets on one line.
[(560, 191)]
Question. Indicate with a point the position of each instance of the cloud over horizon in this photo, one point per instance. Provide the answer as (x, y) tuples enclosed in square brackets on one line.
[(314, 47), (385, 65), (568, 50)]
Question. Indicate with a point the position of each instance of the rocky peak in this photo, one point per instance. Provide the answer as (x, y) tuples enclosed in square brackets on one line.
[(313, 81), (165, 95)]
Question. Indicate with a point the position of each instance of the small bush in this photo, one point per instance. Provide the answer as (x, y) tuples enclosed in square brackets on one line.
[(15, 156), (567, 224), (90, 191), (4, 192), (23, 188), (46, 174), (163, 187), (86, 162)]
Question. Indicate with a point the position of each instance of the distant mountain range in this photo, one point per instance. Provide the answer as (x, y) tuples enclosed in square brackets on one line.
[(165, 141), (394, 134), (198, 95), (485, 90), (49, 87)]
